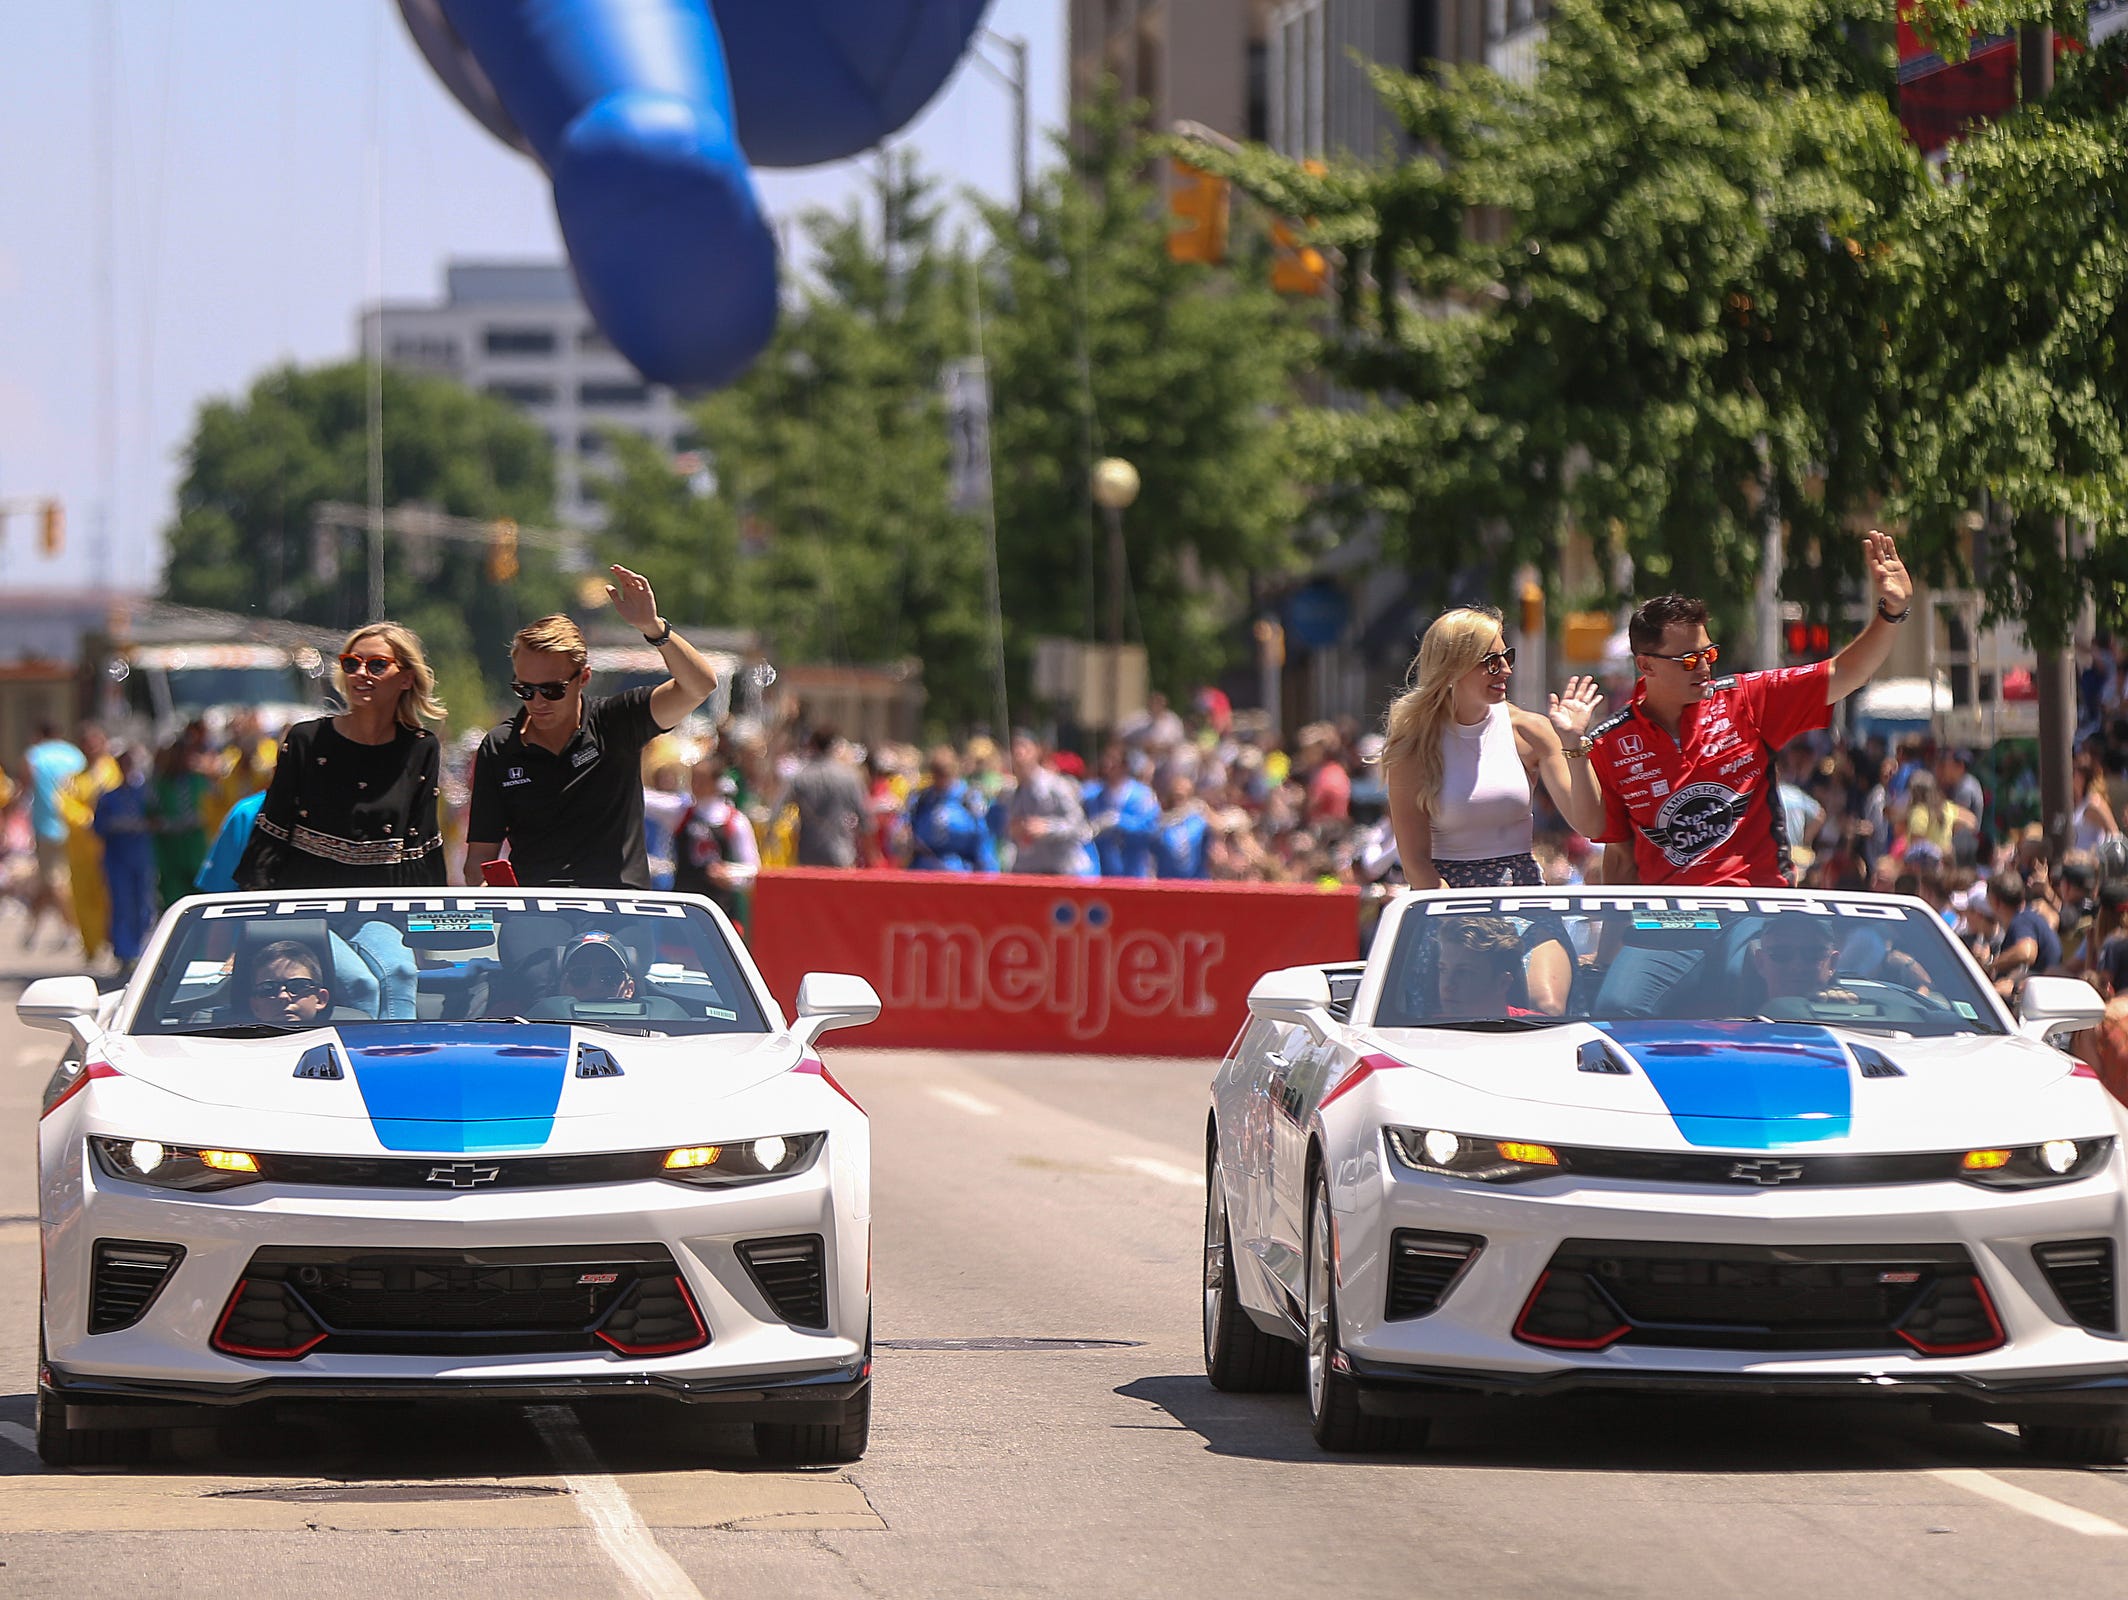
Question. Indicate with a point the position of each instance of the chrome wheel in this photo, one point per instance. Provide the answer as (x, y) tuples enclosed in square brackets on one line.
[(1320, 1332), (1215, 1256)]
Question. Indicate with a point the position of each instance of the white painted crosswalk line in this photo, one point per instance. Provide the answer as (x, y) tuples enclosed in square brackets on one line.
[(1990, 1487), (18, 1436), (1165, 1171), (622, 1533), (961, 1101)]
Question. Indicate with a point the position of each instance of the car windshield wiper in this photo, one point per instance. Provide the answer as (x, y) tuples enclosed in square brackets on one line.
[(1498, 1024), (238, 1030)]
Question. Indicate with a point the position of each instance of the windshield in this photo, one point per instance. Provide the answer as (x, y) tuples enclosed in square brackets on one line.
[(197, 688), (283, 964), (1535, 960)]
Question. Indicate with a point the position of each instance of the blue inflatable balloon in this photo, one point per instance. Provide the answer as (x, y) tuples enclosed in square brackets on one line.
[(647, 116)]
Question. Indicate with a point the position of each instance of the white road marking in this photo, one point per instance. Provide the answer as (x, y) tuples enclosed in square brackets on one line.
[(1990, 1487), (18, 1436), (622, 1533), (964, 1102), (1165, 1171)]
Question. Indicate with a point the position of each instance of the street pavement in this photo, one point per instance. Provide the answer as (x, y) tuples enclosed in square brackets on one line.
[(1042, 1426)]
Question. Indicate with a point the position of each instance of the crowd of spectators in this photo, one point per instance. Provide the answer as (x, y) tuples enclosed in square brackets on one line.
[(96, 839)]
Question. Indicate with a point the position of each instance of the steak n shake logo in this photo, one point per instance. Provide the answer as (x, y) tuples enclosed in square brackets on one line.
[(1694, 820), (1075, 968)]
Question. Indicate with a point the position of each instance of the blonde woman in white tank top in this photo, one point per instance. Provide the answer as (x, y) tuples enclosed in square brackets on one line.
[(1460, 766)]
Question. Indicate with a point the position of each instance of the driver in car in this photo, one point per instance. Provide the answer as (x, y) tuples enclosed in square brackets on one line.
[(1796, 959), (595, 967), (287, 989)]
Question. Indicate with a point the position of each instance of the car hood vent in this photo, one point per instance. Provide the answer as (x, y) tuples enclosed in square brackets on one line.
[(320, 1062), (592, 1062), (1874, 1063), (1598, 1056)]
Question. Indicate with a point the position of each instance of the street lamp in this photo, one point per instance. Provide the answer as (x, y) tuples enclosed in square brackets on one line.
[(1115, 487)]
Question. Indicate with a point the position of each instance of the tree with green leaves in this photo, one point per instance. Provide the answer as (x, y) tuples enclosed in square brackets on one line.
[(255, 469), (829, 526), (829, 460), (1099, 345), (1645, 294), (2015, 343)]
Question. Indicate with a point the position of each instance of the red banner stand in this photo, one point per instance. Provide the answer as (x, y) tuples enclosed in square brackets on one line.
[(1111, 966)]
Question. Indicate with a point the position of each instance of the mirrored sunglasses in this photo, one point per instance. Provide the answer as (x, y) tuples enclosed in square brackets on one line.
[(546, 691), (375, 666), (1497, 662)]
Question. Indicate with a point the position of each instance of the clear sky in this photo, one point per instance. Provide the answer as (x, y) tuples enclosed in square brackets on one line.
[(241, 148)]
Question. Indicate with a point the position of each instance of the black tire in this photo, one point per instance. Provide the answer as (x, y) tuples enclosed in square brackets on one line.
[(2098, 1444), (1239, 1357), (61, 1446), (819, 1444), (1334, 1414)]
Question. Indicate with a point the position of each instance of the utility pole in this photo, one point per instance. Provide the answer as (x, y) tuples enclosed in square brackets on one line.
[(1013, 80), (2054, 671)]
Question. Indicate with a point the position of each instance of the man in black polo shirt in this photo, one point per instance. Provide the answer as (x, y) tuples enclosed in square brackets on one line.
[(562, 782)]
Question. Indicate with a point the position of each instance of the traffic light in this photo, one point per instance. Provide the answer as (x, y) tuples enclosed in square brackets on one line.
[(1806, 641), (52, 536), (1198, 200), (1296, 268), (502, 550)]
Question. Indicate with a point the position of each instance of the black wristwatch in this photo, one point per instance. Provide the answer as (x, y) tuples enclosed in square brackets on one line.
[(1888, 616), (667, 634)]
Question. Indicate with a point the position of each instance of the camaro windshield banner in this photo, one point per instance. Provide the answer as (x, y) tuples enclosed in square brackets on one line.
[(1107, 965)]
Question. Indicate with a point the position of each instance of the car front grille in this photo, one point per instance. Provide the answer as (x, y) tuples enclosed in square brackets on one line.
[(1424, 1266), (125, 1276), (791, 1274), (2081, 1274), (1595, 1293), (294, 1299)]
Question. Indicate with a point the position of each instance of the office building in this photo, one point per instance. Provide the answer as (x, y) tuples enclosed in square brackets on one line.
[(519, 332)]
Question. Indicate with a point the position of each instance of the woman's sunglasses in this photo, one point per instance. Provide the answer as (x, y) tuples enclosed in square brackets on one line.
[(275, 988), (1691, 659), (1498, 661), (546, 691), (375, 666)]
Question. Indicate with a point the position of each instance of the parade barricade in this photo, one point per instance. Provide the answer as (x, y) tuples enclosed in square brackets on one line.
[(1101, 965)]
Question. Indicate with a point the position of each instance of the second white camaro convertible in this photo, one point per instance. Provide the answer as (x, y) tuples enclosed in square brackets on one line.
[(521, 1144), (1776, 1143)]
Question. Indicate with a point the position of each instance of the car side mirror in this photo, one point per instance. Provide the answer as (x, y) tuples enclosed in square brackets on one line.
[(2052, 1007), (1299, 995), (61, 1005), (833, 1000)]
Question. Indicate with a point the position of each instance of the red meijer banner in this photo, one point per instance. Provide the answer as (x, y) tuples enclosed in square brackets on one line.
[(1110, 965)]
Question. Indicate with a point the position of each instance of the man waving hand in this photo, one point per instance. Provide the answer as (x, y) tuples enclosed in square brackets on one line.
[(561, 782), (1687, 766)]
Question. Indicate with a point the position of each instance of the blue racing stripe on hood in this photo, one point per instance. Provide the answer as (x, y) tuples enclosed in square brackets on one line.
[(1745, 1085), (455, 1088)]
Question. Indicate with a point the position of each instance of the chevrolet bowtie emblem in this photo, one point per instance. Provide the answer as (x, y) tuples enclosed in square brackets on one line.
[(1767, 1173), (464, 1174)]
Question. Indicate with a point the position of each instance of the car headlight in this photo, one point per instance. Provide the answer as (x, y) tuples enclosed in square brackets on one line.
[(742, 1160), (172, 1166), (1459, 1155), (2033, 1165)]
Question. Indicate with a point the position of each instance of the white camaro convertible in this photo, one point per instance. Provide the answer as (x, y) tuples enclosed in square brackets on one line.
[(1769, 1143), (511, 1143)]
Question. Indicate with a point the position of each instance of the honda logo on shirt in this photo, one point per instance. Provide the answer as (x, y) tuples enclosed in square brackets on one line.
[(1631, 744)]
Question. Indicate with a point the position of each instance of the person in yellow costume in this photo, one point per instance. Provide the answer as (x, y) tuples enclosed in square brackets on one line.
[(77, 804), (251, 755)]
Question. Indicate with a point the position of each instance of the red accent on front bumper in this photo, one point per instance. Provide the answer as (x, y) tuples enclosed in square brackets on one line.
[(694, 1312), (253, 1351), (1522, 1331)]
